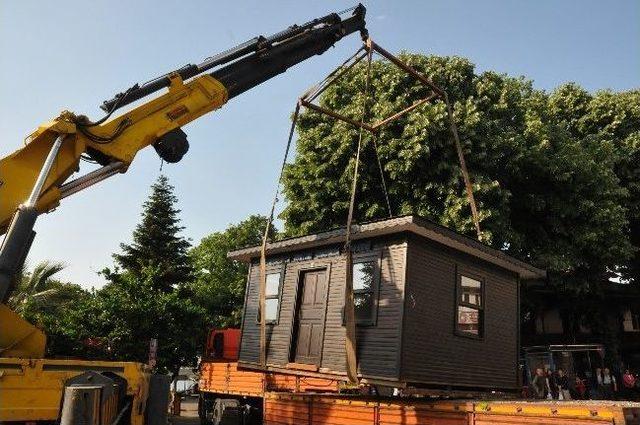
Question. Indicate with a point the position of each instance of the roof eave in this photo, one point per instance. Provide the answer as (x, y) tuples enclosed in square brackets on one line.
[(410, 224)]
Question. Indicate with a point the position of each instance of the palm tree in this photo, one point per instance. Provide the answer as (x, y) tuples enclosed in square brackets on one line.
[(37, 286)]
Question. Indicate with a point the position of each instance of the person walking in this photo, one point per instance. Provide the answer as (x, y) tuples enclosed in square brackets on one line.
[(539, 384), (579, 389), (628, 384), (595, 385), (609, 384), (562, 381), (552, 384)]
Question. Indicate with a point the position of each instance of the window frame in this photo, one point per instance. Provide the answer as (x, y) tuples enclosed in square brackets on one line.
[(279, 271), (634, 320), (376, 259), (459, 303)]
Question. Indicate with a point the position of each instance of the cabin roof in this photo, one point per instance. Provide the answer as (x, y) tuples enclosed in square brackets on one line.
[(408, 223)]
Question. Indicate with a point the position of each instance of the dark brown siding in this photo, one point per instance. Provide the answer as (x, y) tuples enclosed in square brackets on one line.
[(378, 345), (277, 335), (432, 353)]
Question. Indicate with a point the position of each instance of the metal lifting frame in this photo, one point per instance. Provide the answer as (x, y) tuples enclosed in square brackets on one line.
[(374, 128), (435, 92), (306, 100)]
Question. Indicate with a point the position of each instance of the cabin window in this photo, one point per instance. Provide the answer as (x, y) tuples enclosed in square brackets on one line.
[(470, 306), (272, 298), (631, 320), (364, 290)]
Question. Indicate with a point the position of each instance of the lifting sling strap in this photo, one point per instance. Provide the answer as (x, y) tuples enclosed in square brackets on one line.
[(263, 249), (463, 167), (349, 308)]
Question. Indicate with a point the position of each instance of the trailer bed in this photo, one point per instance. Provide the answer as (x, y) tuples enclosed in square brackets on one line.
[(285, 409), (294, 399)]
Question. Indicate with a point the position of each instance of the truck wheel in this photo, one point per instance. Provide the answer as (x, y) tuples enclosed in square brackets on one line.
[(227, 411)]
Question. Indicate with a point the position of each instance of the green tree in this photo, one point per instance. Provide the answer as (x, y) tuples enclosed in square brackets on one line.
[(147, 297), (220, 282), (614, 117), (44, 301), (158, 251), (546, 192), (37, 286), (119, 320)]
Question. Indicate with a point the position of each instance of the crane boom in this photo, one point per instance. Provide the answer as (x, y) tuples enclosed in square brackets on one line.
[(114, 142)]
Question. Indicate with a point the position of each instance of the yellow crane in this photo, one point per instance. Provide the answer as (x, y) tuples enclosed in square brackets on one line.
[(35, 178)]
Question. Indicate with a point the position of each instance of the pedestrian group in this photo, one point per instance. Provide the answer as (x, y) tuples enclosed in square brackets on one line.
[(602, 385)]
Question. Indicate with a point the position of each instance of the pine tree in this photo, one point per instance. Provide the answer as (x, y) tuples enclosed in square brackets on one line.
[(157, 248)]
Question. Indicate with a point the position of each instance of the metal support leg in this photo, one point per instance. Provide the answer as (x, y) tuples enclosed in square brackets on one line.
[(44, 173), (17, 241), (90, 179)]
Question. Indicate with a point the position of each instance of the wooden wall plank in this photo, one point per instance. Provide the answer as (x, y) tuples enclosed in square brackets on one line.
[(432, 352), (378, 346)]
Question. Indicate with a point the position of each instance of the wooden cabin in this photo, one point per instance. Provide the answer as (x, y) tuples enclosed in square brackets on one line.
[(433, 308)]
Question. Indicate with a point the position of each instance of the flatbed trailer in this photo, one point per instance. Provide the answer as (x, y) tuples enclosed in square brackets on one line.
[(320, 409), (282, 399)]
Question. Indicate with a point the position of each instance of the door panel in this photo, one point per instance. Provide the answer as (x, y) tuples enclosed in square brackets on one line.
[(310, 317)]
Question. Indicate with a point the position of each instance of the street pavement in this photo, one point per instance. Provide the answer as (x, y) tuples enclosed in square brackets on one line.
[(188, 413)]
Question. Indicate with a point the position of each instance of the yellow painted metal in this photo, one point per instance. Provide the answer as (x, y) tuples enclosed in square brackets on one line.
[(183, 103), (31, 389), (19, 338), (30, 386), (594, 410)]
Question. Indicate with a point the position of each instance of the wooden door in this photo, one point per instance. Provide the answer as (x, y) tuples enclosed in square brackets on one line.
[(310, 318)]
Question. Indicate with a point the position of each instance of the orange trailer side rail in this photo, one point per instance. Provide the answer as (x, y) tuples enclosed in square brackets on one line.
[(288, 409), (299, 400), (283, 410), (225, 378)]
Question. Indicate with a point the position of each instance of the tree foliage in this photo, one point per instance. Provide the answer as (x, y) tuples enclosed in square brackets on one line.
[(37, 286), (220, 282), (147, 297), (118, 321), (553, 174), (158, 252), (46, 301), (615, 119)]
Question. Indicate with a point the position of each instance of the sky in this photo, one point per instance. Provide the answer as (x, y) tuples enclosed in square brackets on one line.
[(74, 54)]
